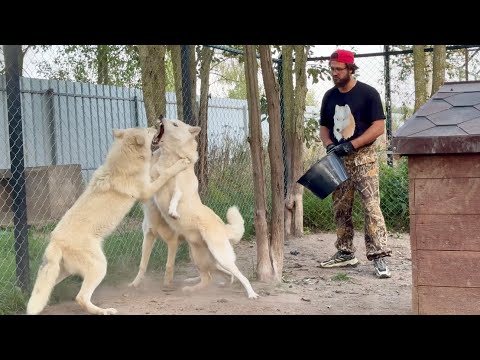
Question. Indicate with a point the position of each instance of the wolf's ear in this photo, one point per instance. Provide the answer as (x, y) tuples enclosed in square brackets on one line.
[(139, 140), (347, 108), (118, 133), (195, 130)]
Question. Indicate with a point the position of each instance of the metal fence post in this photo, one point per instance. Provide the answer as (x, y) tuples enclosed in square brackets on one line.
[(135, 111), (187, 86), (388, 104), (50, 115), (282, 125), (17, 164)]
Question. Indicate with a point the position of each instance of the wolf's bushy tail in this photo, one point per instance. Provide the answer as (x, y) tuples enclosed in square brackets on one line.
[(46, 279), (235, 225)]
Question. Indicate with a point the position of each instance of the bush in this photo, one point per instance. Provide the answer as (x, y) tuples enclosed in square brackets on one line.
[(318, 214)]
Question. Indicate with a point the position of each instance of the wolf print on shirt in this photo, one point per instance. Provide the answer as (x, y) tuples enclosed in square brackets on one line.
[(344, 123)]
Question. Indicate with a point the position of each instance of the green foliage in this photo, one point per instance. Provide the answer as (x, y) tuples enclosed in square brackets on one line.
[(455, 66), (83, 62), (402, 67), (11, 297), (394, 195), (341, 277), (229, 76), (318, 214), (319, 71), (310, 99), (403, 62), (405, 112), (230, 182), (310, 134)]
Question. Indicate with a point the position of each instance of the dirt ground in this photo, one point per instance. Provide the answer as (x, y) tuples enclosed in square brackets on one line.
[(306, 289)]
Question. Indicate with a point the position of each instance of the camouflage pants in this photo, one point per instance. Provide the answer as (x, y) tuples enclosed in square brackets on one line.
[(363, 169)]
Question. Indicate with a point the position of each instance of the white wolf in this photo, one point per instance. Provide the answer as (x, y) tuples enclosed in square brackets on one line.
[(209, 238), (76, 242)]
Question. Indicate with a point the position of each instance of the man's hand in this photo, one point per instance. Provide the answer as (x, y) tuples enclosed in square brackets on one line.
[(343, 149)]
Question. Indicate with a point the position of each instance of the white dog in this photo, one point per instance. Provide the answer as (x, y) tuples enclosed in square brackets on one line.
[(209, 238), (76, 242)]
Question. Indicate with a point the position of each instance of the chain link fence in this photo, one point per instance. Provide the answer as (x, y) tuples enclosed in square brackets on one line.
[(60, 104)]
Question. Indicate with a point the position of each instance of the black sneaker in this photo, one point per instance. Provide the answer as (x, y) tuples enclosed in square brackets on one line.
[(381, 268), (340, 259)]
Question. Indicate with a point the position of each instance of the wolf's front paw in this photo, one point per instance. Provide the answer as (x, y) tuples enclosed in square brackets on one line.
[(174, 214), (253, 295)]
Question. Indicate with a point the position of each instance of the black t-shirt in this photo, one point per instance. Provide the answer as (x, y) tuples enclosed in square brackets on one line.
[(352, 112)]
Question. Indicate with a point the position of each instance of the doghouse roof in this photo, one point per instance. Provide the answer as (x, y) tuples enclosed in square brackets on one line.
[(449, 122)]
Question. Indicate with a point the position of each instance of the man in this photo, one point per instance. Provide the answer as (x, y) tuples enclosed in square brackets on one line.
[(351, 119)]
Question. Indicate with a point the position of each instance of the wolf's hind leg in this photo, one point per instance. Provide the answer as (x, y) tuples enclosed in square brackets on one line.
[(147, 246), (223, 252), (172, 245), (202, 259), (95, 270)]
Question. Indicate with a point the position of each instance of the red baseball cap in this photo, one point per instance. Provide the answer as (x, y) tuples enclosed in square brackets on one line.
[(343, 56)]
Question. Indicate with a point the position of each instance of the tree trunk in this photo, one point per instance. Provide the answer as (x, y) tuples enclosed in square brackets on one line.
[(298, 137), (206, 60), (264, 267), (439, 59), (21, 57), (102, 65), (419, 76), (193, 79), (428, 74), (466, 65), (272, 92), (175, 50), (152, 65), (288, 111)]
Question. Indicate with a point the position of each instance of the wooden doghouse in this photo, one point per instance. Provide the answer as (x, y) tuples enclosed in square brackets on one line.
[(442, 142)]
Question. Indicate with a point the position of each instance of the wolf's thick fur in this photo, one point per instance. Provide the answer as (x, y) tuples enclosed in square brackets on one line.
[(76, 242), (154, 226), (209, 238)]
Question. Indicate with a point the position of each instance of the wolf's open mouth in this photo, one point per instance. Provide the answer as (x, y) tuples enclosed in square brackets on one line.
[(159, 134)]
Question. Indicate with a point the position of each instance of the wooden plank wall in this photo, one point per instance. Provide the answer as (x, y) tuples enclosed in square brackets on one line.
[(445, 233)]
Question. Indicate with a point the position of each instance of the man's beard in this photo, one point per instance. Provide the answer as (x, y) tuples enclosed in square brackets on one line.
[(342, 82)]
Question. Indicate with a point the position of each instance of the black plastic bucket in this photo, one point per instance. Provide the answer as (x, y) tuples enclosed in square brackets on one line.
[(325, 175)]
